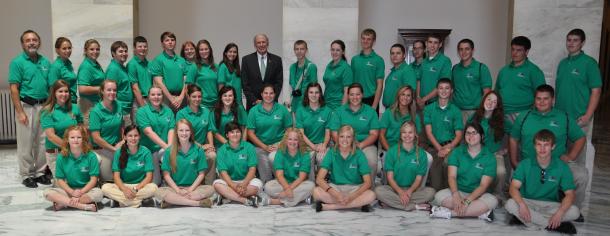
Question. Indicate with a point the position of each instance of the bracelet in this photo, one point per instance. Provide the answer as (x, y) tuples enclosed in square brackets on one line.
[(467, 202)]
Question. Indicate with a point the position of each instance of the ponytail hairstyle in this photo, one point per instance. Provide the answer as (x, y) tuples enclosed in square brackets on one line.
[(124, 149)]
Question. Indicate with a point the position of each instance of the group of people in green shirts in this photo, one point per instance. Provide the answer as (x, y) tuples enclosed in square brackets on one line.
[(168, 128)]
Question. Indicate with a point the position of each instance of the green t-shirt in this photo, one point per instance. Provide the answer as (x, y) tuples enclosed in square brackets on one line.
[(367, 69), (406, 165), (201, 122), (517, 85), (336, 78), (171, 68), (118, 73), (469, 82), (139, 73), (309, 72), (398, 77), (470, 170), (236, 162), (269, 126), (444, 121), (188, 165), (90, 73), (63, 70), (557, 176), (529, 123), (138, 164), (242, 118), (314, 123), (227, 78), (207, 79), (161, 121), (59, 119), (107, 122), (346, 171), (363, 120), (392, 122), (432, 69), (292, 165), (77, 171), (32, 76), (576, 76)]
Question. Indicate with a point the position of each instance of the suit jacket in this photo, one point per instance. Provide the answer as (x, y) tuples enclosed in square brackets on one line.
[(252, 81)]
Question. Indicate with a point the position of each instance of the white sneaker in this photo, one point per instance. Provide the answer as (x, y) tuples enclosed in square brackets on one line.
[(440, 212), (263, 199), (487, 216)]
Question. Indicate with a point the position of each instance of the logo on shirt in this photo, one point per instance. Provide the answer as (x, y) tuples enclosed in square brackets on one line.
[(446, 119), (413, 161), (84, 169), (44, 68), (297, 164), (353, 166), (478, 166), (242, 156), (320, 119), (368, 63), (362, 118), (520, 75), (140, 164), (552, 179), (167, 119), (394, 78), (432, 69), (553, 124), (276, 117), (575, 72), (204, 122), (193, 161), (469, 76)]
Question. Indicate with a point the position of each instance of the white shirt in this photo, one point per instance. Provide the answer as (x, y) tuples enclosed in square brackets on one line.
[(260, 58)]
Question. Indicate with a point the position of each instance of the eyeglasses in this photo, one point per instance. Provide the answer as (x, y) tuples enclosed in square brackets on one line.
[(542, 175)]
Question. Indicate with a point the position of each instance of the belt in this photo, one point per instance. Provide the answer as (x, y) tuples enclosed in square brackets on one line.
[(32, 101), (52, 150), (175, 93)]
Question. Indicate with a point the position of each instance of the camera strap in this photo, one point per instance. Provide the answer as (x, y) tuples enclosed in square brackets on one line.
[(298, 85)]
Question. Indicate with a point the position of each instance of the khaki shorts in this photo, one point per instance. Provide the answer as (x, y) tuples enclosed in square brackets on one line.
[(254, 182), (345, 188), (95, 194), (205, 190), (488, 199)]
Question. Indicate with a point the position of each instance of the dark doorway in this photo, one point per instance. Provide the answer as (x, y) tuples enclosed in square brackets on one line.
[(601, 129)]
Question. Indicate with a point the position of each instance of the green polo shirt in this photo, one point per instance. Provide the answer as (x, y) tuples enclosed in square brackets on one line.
[(219, 127), (77, 171), (470, 170), (59, 119), (188, 165), (107, 122), (517, 85), (236, 162), (417, 69), (444, 122), (346, 171), (406, 165), (62, 69), (292, 165), (336, 78), (558, 177), (138, 164), (139, 73), (363, 120), (529, 123), (161, 121), (207, 80), (269, 126), (367, 70), (392, 121), (309, 72), (227, 78), (469, 82), (201, 122), (432, 69), (172, 69), (398, 77), (32, 76), (90, 73), (489, 140), (576, 76), (118, 73), (314, 122)]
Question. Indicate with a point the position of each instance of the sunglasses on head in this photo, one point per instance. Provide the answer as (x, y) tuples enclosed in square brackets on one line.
[(542, 175)]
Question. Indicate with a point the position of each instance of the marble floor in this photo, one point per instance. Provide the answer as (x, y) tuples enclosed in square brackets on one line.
[(23, 211)]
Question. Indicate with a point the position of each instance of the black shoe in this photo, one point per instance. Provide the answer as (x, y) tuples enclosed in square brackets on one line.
[(30, 183), (564, 228), (114, 204), (580, 219), (43, 179), (318, 206), (366, 208), (149, 202), (515, 221)]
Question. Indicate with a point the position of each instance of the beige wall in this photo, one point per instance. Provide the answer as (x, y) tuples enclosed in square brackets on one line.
[(16, 17), (220, 22), (483, 21)]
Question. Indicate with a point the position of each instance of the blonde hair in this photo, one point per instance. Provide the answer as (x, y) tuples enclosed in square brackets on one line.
[(409, 124), (85, 145), (302, 145), (176, 143), (395, 107), (348, 128)]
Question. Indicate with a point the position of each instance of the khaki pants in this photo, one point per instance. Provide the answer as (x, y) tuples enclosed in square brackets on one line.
[(488, 199), (95, 194), (210, 175), (30, 143), (438, 170), (499, 183), (105, 157), (387, 195), (316, 161), (205, 190), (581, 178), (85, 106), (157, 158), (51, 160), (540, 212), (372, 158), (273, 188), (113, 192), (265, 164)]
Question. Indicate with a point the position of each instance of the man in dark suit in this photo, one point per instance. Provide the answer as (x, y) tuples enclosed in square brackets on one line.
[(258, 68)]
